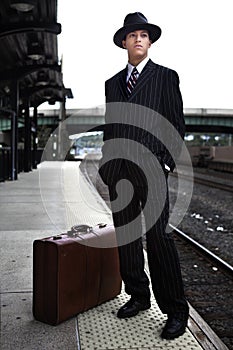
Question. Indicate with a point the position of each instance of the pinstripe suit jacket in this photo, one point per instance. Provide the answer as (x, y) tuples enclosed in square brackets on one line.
[(157, 89)]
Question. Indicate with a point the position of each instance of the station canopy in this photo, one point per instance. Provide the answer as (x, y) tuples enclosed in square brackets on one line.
[(29, 53)]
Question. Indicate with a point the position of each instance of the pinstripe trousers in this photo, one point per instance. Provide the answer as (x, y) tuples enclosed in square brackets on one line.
[(163, 260)]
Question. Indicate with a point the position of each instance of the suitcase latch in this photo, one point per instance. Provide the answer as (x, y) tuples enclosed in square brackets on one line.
[(55, 238), (102, 225)]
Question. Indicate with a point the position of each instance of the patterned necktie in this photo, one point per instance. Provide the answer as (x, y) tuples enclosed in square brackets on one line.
[(132, 80)]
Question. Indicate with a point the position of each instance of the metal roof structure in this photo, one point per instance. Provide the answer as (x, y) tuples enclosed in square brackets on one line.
[(29, 54), (30, 71)]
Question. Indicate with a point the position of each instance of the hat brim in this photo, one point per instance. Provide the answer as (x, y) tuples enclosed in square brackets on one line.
[(154, 32)]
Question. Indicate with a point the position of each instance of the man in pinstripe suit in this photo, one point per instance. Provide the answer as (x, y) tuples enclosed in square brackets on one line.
[(157, 88)]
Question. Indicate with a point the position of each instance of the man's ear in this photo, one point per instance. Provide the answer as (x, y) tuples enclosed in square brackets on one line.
[(150, 43), (124, 44)]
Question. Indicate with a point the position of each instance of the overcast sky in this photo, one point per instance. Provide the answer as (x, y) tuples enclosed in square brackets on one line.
[(196, 41)]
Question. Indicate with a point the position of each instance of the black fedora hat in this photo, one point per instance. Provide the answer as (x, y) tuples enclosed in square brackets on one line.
[(136, 21)]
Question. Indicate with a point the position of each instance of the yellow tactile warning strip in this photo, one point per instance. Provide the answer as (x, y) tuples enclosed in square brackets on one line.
[(100, 329)]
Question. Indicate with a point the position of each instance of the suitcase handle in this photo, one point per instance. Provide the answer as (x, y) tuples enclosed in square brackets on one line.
[(77, 230)]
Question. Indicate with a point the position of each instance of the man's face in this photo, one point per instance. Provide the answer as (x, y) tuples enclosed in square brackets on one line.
[(137, 43)]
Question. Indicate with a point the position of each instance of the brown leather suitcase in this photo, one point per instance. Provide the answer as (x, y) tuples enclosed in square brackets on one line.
[(73, 273)]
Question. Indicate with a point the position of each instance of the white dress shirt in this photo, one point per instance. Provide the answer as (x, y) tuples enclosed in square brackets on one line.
[(139, 67)]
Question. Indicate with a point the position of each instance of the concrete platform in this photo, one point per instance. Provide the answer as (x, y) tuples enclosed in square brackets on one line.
[(42, 203)]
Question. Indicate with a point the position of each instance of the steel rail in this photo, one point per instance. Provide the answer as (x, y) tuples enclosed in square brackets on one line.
[(220, 262), (205, 182)]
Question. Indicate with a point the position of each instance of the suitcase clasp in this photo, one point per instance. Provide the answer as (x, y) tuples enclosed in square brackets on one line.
[(102, 225), (55, 238)]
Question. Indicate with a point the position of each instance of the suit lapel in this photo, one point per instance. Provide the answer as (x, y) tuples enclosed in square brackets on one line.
[(146, 74), (122, 83)]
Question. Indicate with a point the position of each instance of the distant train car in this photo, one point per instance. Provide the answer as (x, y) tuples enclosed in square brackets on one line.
[(212, 157)]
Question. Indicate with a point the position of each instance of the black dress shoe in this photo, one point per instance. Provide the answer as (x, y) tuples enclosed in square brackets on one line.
[(175, 327), (132, 308)]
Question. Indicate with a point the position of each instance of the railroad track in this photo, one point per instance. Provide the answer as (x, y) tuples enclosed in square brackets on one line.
[(208, 279), (208, 282), (206, 181), (223, 265), (210, 180)]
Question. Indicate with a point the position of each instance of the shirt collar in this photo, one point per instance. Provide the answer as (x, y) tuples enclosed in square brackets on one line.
[(139, 67)]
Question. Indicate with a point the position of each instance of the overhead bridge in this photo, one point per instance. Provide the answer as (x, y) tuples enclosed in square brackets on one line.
[(209, 120), (196, 119)]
